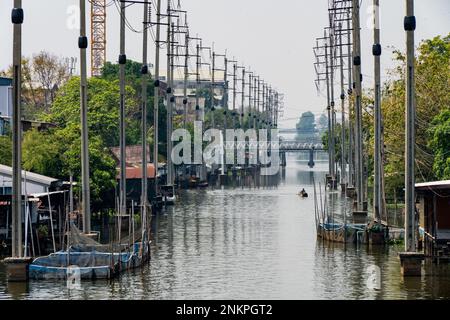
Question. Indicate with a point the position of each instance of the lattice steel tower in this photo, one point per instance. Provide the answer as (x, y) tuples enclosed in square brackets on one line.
[(98, 36)]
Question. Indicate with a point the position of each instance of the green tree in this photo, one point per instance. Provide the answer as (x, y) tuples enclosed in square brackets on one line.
[(440, 144), (5, 150), (41, 153)]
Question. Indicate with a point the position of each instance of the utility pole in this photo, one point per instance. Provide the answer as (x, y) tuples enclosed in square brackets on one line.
[(169, 93), (358, 110), (250, 88), (156, 99), (242, 98), (410, 223), (376, 51), (343, 164), (264, 101), (327, 79), (197, 93), (234, 94), (213, 66), (350, 125), (122, 62), (255, 100), (333, 114), (170, 103), (186, 77), (144, 73), (17, 19), (83, 44), (258, 103), (225, 111)]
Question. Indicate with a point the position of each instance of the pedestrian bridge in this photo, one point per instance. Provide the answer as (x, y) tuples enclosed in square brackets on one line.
[(294, 146), (288, 146)]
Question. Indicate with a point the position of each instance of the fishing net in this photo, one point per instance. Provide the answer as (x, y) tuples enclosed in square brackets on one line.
[(82, 243)]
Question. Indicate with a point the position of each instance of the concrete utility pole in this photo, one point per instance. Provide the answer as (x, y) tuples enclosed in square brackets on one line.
[(234, 94), (376, 51), (186, 77), (85, 190), (358, 109), (242, 98), (197, 88), (333, 112), (122, 62), (169, 93), (170, 103), (350, 90), (264, 101), (255, 101), (330, 117), (213, 81), (250, 87), (156, 99), (410, 223), (17, 19), (343, 127), (225, 110), (144, 96), (258, 103)]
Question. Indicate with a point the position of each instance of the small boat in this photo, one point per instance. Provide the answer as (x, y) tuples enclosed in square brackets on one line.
[(203, 184), (303, 194), (168, 194), (89, 264), (338, 232)]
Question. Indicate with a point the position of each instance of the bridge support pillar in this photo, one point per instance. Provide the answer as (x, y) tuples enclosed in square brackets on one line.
[(311, 158), (283, 159)]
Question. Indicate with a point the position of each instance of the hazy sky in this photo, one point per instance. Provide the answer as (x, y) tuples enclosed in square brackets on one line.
[(273, 38)]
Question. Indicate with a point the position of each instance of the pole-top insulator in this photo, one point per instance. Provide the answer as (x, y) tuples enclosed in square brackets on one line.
[(409, 23), (376, 49), (17, 15), (82, 42), (122, 59)]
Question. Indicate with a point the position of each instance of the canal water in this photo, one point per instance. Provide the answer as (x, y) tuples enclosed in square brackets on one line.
[(247, 243)]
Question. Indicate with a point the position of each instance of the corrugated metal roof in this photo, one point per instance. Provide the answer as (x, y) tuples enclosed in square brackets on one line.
[(445, 184), (136, 172), (31, 176)]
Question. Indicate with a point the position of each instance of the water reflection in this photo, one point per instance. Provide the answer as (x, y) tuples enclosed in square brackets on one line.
[(249, 243)]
